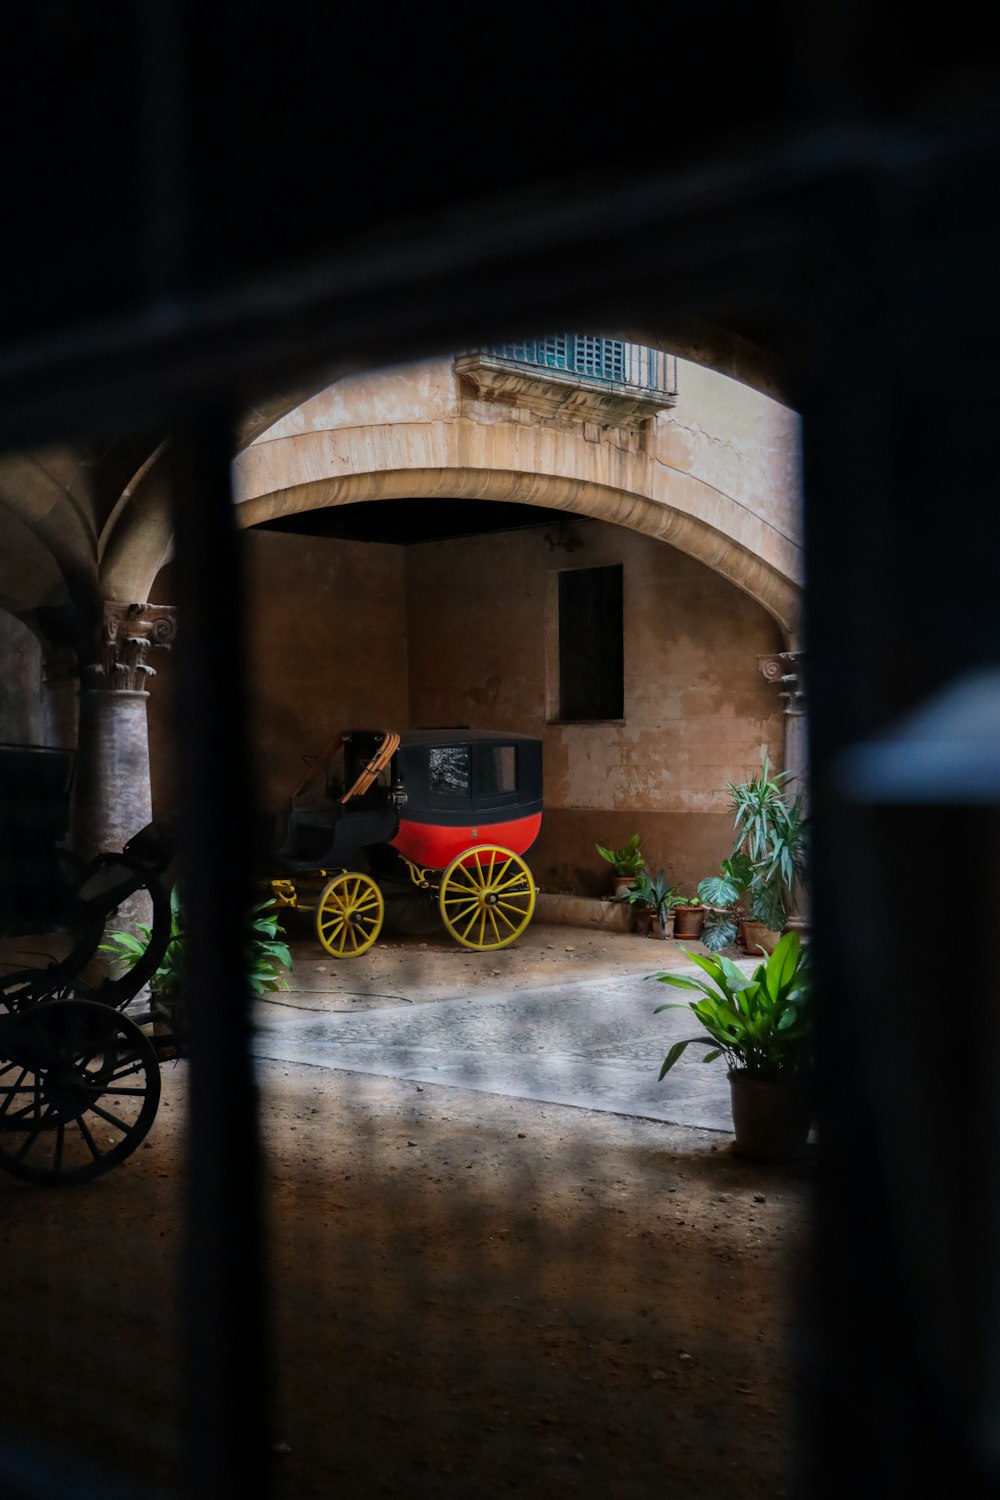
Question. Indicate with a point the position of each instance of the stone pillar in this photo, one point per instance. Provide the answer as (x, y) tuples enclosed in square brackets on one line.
[(113, 799), (786, 668), (60, 700)]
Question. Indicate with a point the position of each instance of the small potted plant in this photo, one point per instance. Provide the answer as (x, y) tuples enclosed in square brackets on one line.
[(654, 901), (762, 1024), (689, 917), (626, 863)]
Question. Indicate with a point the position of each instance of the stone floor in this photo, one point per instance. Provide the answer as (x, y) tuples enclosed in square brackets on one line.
[(568, 1019)]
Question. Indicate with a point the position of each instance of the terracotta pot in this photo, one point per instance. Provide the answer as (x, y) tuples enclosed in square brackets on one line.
[(643, 920), (688, 921), (758, 935), (621, 883), (771, 1119)]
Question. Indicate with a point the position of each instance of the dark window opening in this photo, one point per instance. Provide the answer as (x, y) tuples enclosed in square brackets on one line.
[(591, 653)]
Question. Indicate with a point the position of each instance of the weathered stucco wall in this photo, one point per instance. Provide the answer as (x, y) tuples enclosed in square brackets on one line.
[(326, 644), (328, 637), (482, 630), (465, 632)]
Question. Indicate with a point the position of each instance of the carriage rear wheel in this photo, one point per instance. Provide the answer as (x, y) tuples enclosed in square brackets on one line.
[(487, 897), (79, 1089), (349, 915)]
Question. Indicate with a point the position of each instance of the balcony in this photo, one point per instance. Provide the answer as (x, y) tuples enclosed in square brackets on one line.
[(573, 375)]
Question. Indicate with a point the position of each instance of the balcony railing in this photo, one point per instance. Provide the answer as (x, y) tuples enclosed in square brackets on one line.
[(633, 369)]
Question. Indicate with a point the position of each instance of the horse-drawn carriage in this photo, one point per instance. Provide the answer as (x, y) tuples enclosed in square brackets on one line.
[(79, 1080), (413, 824), (430, 824)]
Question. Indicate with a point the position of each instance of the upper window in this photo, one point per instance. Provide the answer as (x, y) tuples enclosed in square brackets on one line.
[(591, 651), (594, 359)]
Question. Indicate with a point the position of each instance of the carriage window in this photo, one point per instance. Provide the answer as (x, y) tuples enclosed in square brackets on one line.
[(496, 770), (449, 769)]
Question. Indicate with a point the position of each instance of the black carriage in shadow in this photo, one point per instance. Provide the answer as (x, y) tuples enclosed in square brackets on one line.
[(79, 1079)]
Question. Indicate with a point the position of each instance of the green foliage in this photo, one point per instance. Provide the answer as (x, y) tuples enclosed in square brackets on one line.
[(761, 1024), (772, 833), (654, 892), (266, 954), (730, 885), (757, 804), (720, 930), (722, 895), (627, 861), (768, 861)]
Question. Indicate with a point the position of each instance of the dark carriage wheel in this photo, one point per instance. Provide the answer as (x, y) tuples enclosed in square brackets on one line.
[(79, 1089)]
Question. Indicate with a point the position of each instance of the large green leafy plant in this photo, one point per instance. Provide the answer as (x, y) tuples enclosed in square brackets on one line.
[(762, 1023), (771, 831), (768, 860), (722, 895), (267, 955)]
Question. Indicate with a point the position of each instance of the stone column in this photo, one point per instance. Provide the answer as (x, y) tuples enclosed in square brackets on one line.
[(786, 669), (113, 800), (60, 700)]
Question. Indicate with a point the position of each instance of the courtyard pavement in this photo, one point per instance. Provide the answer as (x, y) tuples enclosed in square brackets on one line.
[(593, 1043)]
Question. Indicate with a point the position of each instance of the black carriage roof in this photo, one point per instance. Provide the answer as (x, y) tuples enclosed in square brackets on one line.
[(459, 735)]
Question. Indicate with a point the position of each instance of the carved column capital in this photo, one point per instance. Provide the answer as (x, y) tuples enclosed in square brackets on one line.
[(786, 670), (126, 632)]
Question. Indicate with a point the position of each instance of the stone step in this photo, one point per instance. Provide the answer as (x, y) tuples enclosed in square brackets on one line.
[(582, 911)]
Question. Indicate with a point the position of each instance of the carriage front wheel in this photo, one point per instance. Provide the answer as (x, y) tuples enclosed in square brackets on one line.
[(79, 1087), (349, 914), (487, 897)]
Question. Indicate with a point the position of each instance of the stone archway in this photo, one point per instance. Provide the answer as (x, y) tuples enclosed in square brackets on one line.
[(688, 532), (413, 434)]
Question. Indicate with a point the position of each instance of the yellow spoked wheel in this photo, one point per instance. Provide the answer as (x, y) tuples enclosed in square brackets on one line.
[(349, 915), (487, 902)]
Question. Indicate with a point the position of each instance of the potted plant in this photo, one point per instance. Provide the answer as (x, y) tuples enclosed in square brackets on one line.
[(626, 863), (772, 833), (654, 900), (724, 896), (266, 957), (762, 1024), (689, 917)]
